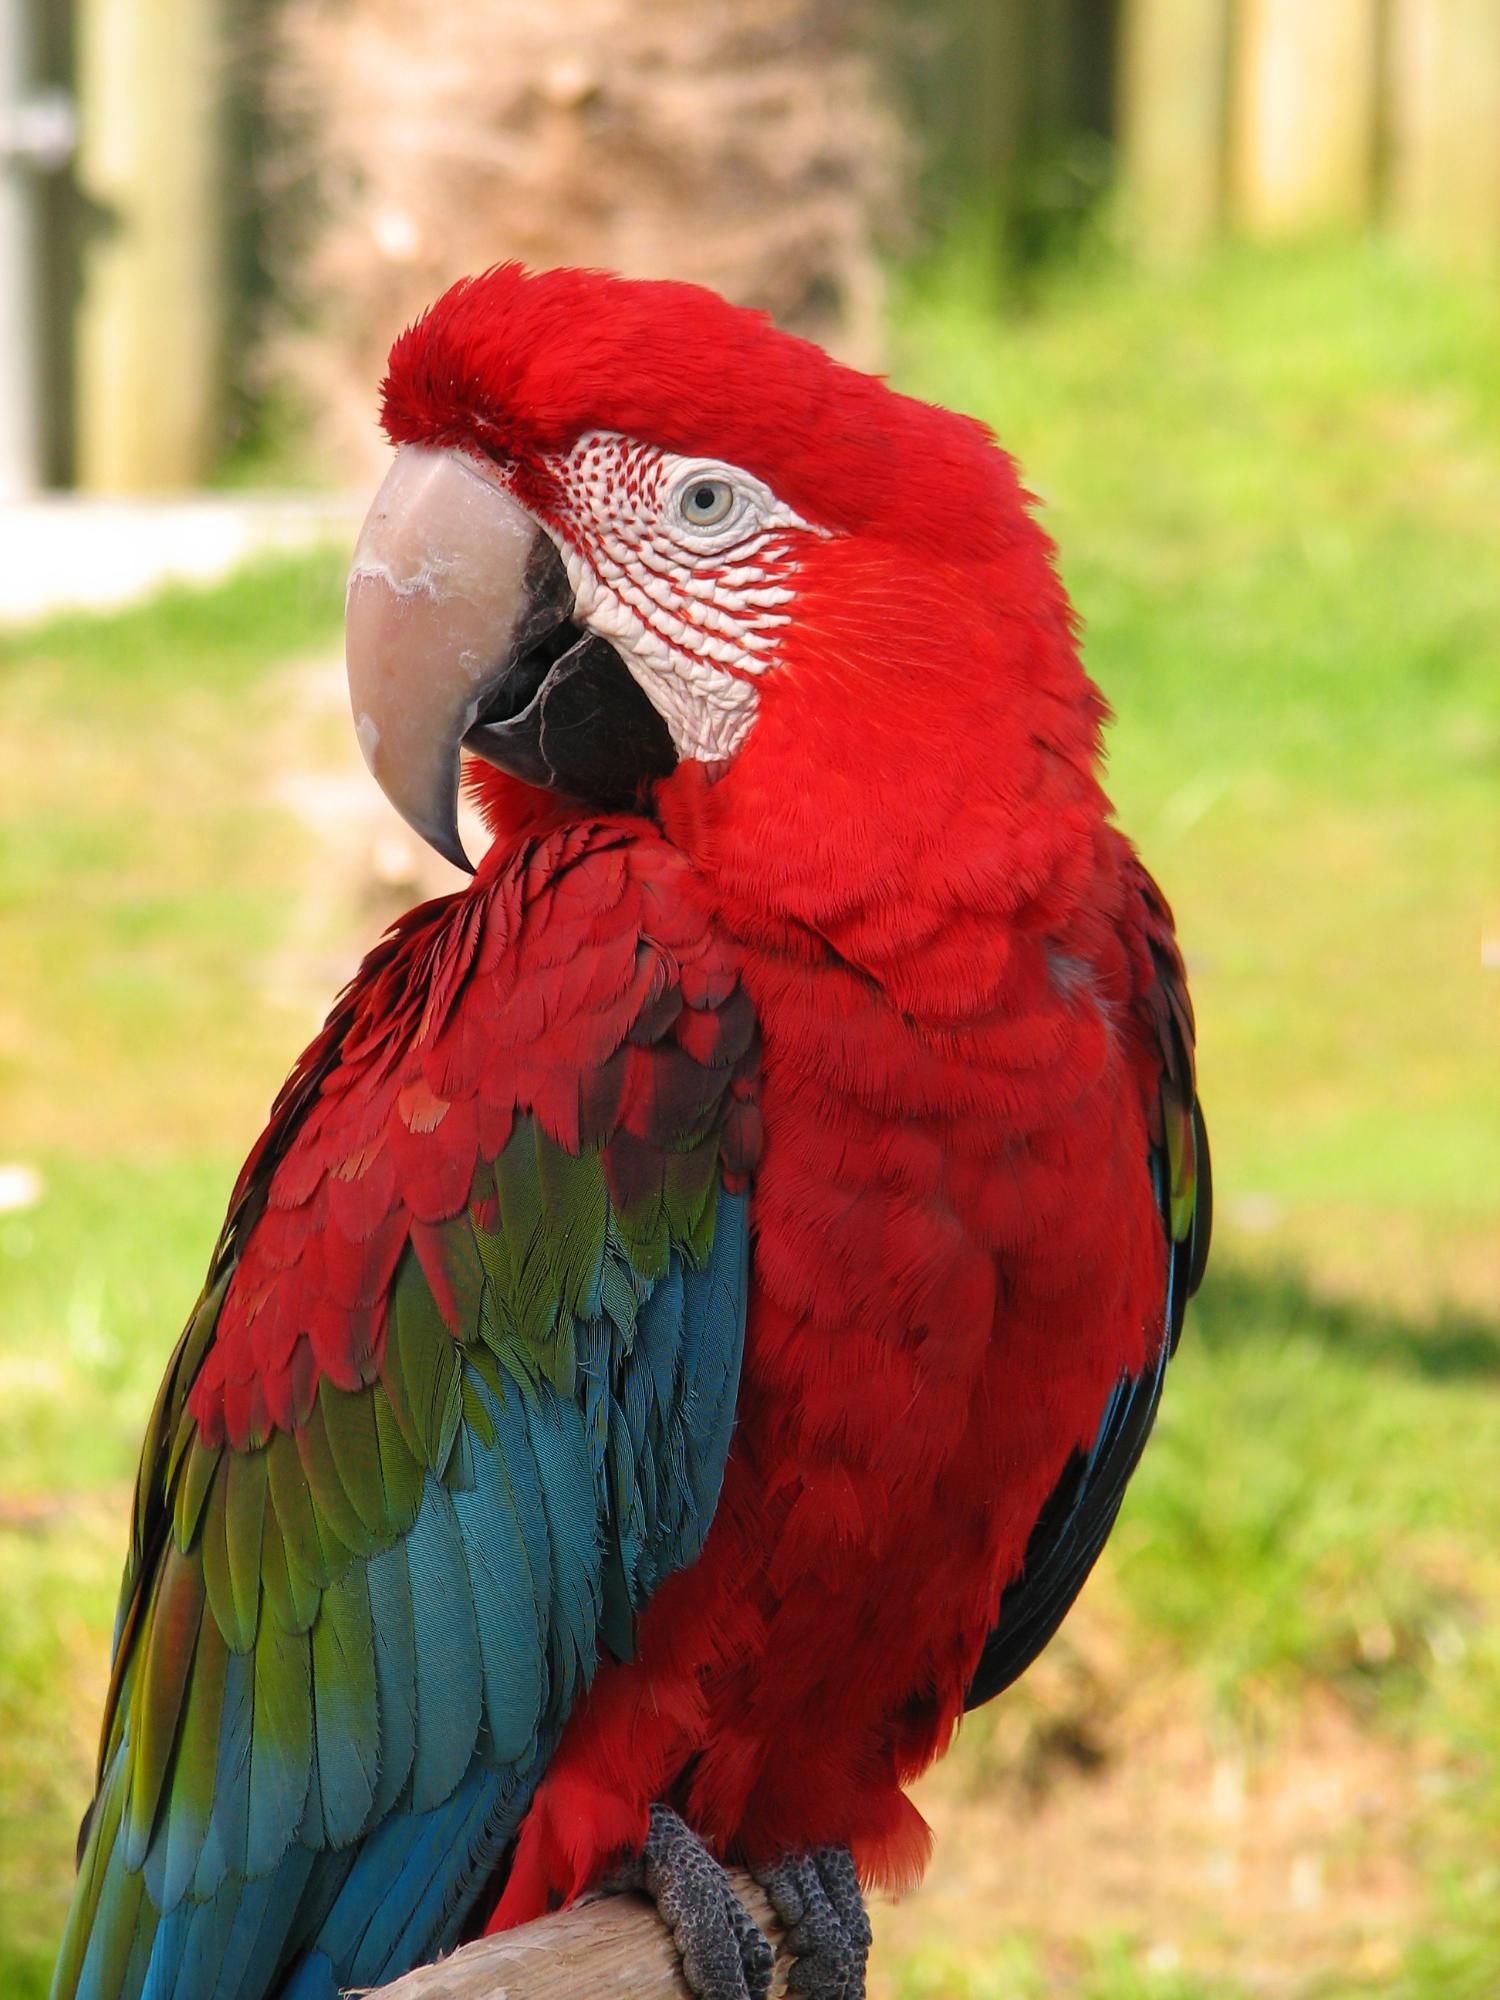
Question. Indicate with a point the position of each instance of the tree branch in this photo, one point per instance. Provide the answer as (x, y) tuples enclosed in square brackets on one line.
[(614, 1944)]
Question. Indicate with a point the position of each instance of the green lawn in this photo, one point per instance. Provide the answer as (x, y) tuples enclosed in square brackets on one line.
[(147, 878), (1276, 484)]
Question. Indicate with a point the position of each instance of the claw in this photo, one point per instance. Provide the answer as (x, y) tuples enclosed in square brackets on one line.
[(817, 1898), (725, 1955)]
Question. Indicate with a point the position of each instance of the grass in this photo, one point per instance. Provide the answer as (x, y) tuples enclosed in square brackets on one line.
[(1262, 1758), (144, 870)]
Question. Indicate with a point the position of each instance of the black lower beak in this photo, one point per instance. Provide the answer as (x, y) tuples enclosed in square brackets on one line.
[(566, 713)]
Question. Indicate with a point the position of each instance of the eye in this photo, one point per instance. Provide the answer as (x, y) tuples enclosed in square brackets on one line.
[(704, 503)]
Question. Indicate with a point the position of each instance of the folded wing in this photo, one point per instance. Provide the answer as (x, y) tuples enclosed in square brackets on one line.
[(457, 1396), (1079, 1513)]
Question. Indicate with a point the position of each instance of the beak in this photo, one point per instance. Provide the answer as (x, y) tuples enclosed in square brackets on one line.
[(458, 633), (440, 608)]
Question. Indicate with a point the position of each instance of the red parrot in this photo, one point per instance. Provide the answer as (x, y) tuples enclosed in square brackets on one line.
[(685, 1332)]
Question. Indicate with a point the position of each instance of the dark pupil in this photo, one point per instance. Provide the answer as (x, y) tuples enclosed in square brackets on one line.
[(704, 498)]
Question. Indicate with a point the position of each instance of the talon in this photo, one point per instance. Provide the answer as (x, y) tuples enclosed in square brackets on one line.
[(817, 1898), (724, 1953), (835, 1866)]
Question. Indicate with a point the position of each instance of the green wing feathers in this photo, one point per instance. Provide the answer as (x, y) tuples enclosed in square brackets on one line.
[(347, 1643)]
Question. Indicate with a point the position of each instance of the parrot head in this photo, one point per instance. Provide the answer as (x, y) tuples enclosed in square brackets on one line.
[(642, 549)]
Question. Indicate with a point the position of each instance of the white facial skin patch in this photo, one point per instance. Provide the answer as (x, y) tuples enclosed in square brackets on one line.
[(683, 565)]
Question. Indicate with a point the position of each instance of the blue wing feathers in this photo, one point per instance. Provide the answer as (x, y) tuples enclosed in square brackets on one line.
[(370, 1765), (225, 1836), (280, 1744), (404, 1892), (570, 1505), (346, 1734), (501, 1585), (395, 1658), (449, 1688), (519, 1478)]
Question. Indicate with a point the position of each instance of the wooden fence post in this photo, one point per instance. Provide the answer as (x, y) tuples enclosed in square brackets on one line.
[(147, 375), (1444, 172), (1174, 77), (1304, 116), (989, 80)]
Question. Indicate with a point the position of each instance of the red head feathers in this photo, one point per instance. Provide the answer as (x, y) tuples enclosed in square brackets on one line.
[(522, 363)]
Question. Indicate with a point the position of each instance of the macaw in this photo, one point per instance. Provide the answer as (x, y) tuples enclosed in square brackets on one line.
[(686, 1329)]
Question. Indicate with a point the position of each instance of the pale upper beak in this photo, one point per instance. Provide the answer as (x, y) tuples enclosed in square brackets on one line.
[(437, 604), (459, 631)]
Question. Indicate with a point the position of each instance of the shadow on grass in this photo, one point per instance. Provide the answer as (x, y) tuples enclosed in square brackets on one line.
[(1239, 1303)]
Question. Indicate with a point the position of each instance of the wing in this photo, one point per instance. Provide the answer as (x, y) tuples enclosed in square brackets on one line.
[(1075, 1522), (457, 1395)]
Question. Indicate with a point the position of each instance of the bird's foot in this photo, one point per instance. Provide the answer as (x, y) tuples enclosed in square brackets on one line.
[(816, 1896), (724, 1953)]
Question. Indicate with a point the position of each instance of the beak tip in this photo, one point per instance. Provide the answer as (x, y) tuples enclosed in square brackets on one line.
[(445, 840)]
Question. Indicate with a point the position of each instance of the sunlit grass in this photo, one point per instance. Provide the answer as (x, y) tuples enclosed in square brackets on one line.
[(144, 867)]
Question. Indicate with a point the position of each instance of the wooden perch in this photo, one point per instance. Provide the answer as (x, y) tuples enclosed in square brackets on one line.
[(604, 1945)]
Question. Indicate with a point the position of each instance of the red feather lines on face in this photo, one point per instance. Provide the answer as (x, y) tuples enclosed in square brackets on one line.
[(612, 497)]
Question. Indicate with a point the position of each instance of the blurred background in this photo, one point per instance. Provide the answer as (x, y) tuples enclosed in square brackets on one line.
[(1225, 274)]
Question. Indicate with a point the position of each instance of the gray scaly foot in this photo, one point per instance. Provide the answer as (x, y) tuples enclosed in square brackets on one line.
[(817, 1898), (724, 1953)]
